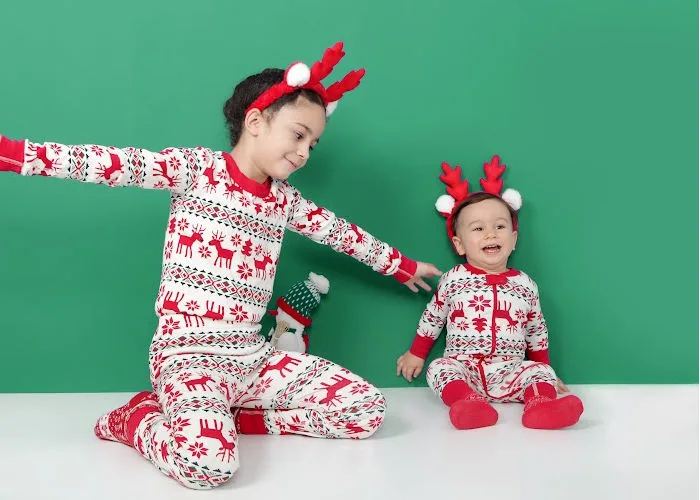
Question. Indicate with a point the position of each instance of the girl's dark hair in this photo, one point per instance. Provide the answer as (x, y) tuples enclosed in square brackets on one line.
[(476, 198), (250, 89)]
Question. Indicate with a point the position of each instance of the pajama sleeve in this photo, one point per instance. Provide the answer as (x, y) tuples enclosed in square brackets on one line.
[(432, 321), (536, 335), (324, 227), (174, 169)]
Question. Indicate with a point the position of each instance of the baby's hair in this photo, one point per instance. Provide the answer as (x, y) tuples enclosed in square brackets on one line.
[(476, 198), (250, 89)]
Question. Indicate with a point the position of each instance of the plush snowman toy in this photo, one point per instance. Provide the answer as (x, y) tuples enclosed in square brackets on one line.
[(293, 313)]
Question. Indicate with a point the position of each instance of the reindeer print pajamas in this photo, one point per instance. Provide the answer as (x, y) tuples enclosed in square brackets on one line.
[(222, 245), (493, 323)]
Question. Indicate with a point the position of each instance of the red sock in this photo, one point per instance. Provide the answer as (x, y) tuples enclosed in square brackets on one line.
[(136, 418), (468, 410), (540, 389), (544, 411), (250, 421), (120, 424)]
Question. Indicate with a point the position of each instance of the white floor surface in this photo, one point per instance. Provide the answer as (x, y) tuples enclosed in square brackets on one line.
[(633, 442)]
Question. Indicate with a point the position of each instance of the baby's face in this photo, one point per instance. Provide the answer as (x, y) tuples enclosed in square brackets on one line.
[(485, 235)]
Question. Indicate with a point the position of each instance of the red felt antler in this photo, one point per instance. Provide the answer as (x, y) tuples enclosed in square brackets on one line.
[(331, 57), (456, 187), (492, 183), (348, 83)]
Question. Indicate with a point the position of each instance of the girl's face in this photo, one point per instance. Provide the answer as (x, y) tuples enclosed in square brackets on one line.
[(283, 143)]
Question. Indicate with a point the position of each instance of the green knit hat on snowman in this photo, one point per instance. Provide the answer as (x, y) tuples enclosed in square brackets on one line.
[(303, 298)]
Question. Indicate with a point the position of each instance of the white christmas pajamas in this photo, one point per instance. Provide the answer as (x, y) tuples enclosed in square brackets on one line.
[(222, 245), (497, 339)]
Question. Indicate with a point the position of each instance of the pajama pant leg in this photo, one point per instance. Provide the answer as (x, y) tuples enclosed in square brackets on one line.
[(506, 382), (442, 371), (194, 440), (498, 382), (299, 393)]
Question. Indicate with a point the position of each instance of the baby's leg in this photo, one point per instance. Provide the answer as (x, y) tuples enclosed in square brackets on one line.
[(535, 384), (508, 381), (453, 382), (297, 393), (193, 440)]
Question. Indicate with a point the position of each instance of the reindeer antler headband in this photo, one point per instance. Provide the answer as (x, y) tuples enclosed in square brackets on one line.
[(458, 190), (299, 76)]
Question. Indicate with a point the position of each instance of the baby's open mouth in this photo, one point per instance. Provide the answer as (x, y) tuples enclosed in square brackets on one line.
[(492, 248)]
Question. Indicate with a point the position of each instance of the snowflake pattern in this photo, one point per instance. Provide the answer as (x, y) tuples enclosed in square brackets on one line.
[(197, 450), (490, 306)]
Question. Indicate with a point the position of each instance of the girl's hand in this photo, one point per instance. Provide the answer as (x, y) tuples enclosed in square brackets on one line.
[(423, 270)]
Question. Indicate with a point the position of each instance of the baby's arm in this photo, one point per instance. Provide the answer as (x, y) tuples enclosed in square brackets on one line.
[(536, 335), (431, 323), (323, 226), (175, 169)]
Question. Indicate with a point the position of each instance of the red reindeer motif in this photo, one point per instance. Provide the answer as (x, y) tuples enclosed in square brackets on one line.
[(503, 312), (332, 389), (213, 431), (319, 211), (185, 241), (115, 166), (209, 175), (359, 238), (281, 366), (224, 255), (218, 315), (261, 265), (170, 179), (201, 382), (174, 305), (457, 312)]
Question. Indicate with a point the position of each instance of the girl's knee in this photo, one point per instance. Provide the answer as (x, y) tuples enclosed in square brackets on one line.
[(204, 452), (364, 418)]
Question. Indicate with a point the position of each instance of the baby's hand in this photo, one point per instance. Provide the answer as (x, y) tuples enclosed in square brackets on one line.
[(561, 388), (423, 270), (409, 365)]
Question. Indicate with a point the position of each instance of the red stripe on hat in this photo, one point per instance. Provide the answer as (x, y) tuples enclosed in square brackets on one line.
[(282, 304)]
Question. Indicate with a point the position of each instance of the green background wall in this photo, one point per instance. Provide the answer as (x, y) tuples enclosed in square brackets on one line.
[(592, 105)]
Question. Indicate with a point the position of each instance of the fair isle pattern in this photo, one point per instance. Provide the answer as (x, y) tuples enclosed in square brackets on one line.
[(196, 441), (222, 243), (485, 315), (499, 380)]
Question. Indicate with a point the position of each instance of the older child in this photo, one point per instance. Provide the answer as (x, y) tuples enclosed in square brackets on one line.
[(493, 316), (228, 216)]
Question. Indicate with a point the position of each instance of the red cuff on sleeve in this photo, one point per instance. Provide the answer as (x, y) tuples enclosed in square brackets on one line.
[(421, 346), (11, 155), (406, 270), (538, 356)]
